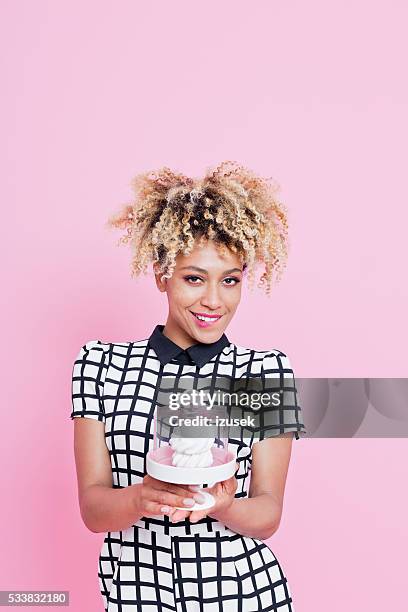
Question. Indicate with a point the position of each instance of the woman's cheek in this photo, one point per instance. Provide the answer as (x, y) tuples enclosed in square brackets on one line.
[(233, 297)]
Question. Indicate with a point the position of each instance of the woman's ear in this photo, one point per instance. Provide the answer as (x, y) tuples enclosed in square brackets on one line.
[(160, 283)]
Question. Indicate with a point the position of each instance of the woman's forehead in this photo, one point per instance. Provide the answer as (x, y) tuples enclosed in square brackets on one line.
[(209, 255)]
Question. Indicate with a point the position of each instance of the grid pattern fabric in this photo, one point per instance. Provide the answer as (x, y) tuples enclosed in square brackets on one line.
[(181, 567)]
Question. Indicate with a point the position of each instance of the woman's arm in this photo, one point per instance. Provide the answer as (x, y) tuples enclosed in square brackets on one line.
[(102, 507), (259, 516)]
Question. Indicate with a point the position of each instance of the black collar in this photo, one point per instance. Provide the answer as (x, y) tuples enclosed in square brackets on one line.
[(200, 353)]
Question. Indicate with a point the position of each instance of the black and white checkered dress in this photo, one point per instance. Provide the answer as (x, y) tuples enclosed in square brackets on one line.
[(156, 565)]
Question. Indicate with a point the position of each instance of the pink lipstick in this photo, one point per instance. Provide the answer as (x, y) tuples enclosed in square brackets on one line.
[(204, 319)]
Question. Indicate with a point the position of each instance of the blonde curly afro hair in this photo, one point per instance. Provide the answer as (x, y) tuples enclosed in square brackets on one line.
[(231, 205)]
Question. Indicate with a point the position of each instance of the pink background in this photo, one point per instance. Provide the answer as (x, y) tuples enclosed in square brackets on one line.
[(312, 93)]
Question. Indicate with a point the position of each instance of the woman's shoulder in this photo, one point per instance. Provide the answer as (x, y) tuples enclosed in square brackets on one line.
[(273, 366), (258, 353), (256, 360), (102, 351), (100, 345), (93, 351), (105, 345)]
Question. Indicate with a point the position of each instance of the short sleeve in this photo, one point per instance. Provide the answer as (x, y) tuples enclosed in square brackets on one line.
[(286, 415), (88, 379)]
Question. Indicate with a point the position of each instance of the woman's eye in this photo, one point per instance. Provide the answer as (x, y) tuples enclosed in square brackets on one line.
[(233, 279), (191, 277)]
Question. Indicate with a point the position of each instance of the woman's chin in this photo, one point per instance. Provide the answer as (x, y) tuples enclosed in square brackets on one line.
[(208, 336)]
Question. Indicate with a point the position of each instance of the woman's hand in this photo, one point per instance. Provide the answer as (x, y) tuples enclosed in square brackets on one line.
[(223, 492), (155, 497)]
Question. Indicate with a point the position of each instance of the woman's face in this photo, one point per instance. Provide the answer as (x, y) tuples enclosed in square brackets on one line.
[(205, 283)]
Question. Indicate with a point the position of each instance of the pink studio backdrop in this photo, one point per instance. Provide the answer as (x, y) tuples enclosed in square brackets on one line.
[(310, 93)]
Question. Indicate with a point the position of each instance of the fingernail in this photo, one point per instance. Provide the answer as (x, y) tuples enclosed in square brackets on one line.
[(188, 501), (165, 509), (199, 498)]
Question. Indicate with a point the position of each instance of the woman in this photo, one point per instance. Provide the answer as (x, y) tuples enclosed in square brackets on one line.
[(202, 237)]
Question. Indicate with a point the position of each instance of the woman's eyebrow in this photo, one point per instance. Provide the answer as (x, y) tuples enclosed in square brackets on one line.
[(232, 270), (194, 268), (203, 271)]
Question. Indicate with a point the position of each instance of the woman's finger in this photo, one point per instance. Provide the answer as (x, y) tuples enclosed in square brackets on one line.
[(197, 515), (178, 515), (164, 498), (183, 490)]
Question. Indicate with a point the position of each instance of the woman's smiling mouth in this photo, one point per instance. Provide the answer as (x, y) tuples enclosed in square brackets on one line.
[(205, 320)]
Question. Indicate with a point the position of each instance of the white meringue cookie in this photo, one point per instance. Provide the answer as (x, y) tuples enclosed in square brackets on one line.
[(191, 446), (192, 452), (199, 460)]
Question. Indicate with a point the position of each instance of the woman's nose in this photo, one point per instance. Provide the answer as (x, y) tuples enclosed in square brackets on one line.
[(211, 298)]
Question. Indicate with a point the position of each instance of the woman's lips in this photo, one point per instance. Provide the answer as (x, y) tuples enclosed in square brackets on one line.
[(208, 323)]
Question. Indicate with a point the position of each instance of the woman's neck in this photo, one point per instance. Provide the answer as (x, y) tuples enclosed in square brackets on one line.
[(178, 335)]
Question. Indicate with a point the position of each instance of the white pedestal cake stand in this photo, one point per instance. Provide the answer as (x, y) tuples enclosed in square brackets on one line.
[(158, 467)]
